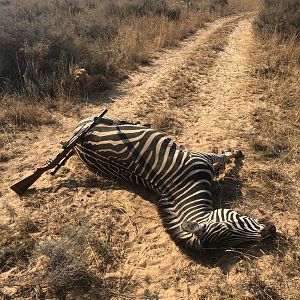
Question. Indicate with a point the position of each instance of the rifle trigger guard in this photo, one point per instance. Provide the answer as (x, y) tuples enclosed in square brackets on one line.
[(63, 144)]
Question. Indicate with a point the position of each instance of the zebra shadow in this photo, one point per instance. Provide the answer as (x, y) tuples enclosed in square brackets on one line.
[(225, 259), (225, 192), (227, 188)]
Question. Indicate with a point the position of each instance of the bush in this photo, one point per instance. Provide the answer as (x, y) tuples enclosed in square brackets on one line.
[(76, 260), (145, 7), (281, 17), (42, 42), (36, 50), (16, 112)]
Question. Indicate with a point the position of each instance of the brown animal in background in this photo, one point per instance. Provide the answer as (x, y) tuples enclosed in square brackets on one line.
[(90, 83), (5, 84)]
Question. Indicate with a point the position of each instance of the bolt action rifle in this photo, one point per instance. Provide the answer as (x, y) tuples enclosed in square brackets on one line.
[(61, 158)]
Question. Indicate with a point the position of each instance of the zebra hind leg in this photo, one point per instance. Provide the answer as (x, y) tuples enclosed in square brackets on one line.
[(233, 153), (220, 160)]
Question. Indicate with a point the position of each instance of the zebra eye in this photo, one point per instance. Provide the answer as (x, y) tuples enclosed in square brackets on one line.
[(192, 227)]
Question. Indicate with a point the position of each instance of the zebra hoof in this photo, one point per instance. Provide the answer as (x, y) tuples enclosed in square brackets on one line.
[(238, 154)]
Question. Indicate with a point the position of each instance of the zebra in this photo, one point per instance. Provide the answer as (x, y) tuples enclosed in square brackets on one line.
[(148, 158)]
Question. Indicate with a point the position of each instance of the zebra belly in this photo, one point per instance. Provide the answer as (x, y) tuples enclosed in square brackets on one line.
[(101, 165), (132, 152)]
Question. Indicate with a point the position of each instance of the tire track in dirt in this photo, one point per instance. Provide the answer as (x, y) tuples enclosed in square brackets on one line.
[(203, 87), (225, 117), (153, 82)]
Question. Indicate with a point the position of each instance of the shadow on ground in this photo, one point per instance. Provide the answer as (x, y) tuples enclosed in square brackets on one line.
[(225, 259), (225, 192), (228, 190)]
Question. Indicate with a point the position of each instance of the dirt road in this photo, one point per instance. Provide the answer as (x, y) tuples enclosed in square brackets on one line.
[(199, 93)]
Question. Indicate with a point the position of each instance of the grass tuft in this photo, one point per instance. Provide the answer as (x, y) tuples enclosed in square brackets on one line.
[(76, 260), (167, 124), (16, 249), (261, 290)]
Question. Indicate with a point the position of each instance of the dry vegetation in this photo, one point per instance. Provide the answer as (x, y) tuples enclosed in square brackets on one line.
[(54, 260), (273, 182), (180, 91), (42, 42), (277, 68)]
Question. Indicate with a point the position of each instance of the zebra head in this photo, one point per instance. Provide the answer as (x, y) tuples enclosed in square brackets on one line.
[(227, 228)]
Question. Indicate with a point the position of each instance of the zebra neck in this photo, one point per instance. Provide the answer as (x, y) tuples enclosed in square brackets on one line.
[(191, 202)]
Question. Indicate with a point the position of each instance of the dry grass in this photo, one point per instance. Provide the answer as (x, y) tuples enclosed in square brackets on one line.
[(272, 183), (76, 260), (166, 123), (106, 37), (246, 5), (180, 94), (278, 66), (280, 17), (21, 113), (277, 138), (37, 54), (18, 114), (16, 249), (62, 247)]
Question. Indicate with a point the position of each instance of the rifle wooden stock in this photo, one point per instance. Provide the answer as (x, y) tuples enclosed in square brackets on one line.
[(61, 158), (23, 185)]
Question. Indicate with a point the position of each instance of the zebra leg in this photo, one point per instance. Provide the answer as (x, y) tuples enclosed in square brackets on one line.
[(233, 153), (220, 160)]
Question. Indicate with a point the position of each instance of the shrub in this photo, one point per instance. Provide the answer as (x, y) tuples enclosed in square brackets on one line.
[(22, 113), (281, 17), (15, 248), (41, 42), (76, 259)]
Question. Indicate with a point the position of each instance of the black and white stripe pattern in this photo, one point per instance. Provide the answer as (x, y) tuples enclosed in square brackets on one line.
[(146, 157)]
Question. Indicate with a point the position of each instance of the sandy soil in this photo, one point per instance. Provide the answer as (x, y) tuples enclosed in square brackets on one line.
[(205, 88)]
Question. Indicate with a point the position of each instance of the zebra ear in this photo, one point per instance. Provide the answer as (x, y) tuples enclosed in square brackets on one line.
[(192, 227)]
